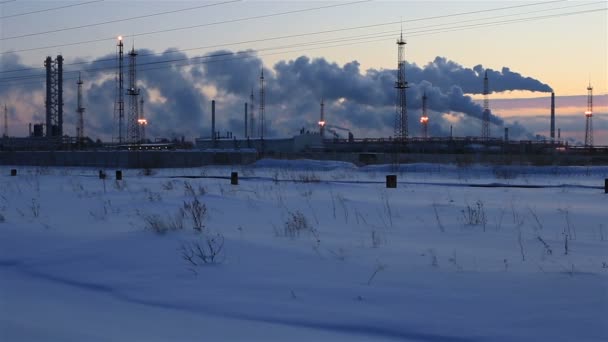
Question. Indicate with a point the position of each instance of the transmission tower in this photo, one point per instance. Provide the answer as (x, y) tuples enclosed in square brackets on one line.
[(252, 115), (5, 134), (485, 120), (262, 104), (401, 86), (424, 119), (589, 118), (133, 92), (54, 96), (80, 111), (120, 100)]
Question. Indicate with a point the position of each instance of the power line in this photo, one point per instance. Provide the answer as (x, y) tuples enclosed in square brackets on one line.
[(6, 2), (117, 20), (283, 13), (49, 9), (358, 37), (329, 31)]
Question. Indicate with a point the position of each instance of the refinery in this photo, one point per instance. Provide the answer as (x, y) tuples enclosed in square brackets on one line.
[(48, 143)]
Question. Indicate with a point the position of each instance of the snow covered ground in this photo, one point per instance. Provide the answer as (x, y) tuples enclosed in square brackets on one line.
[(307, 251)]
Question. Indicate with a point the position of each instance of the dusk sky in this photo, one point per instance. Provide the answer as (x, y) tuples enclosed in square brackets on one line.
[(344, 52)]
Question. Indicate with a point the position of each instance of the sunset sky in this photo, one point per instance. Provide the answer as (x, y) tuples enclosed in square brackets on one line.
[(561, 45)]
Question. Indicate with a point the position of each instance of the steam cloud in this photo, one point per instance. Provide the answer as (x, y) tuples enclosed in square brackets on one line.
[(177, 96)]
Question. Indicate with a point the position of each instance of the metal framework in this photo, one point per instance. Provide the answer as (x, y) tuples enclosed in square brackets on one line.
[(133, 125), (485, 120), (54, 96), (120, 100), (251, 115), (424, 119), (322, 120), (80, 111), (589, 118), (401, 128), (262, 105)]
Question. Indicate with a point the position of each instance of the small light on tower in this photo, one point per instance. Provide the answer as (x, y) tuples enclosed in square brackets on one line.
[(424, 119), (321, 123), (142, 122)]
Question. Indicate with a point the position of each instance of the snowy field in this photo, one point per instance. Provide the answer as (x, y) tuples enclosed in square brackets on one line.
[(305, 251)]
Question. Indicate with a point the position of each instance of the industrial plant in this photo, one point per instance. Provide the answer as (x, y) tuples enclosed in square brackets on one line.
[(49, 144)]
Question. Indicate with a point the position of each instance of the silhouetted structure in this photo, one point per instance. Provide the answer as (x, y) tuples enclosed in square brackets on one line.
[(401, 86), (80, 111), (120, 95), (54, 96), (133, 126), (589, 118), (424, 119), (485, 120), (262, 117)]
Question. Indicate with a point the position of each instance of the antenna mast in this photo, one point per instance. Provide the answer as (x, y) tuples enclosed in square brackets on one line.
[(121, 101), (485, 124), (589, 118), (133, 92), (80, 111), (401, 85), (262, 99)]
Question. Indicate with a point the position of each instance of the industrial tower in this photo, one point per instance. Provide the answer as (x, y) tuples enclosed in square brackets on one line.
[(54, 96), (80, 111), (552, 132), (589, 118), (133, 92), (262, 99), (142, 121), (322, 120), (424, 119), (485, 120), (121, 101), (251, 115), (5, 133), (401, 86)]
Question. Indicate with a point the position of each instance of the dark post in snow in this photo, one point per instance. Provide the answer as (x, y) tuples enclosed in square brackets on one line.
[(606, 186), (13, 172), (102, 175), (234, 178), (391, 181), (118, 175)]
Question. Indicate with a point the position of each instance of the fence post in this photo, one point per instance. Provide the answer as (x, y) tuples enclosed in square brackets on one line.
[(391, 181), (13, 172), (102, 175), (234, 178), (606, 186), (118, 175)]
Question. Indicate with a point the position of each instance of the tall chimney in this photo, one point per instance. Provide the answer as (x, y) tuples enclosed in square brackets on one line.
[(506, 134), (552, 116), (246, 134), (213, 119)]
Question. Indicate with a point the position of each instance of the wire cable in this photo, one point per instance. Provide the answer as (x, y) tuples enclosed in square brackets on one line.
[(320, 32), (119, 20), (49, 9), (367, 36)]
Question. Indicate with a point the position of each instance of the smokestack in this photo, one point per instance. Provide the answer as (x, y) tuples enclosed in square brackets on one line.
[(506, 134), (213, 119), (552, 116), (246, 136)]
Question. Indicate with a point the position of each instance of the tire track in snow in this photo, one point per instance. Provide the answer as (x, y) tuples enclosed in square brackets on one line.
[(354, 328)]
